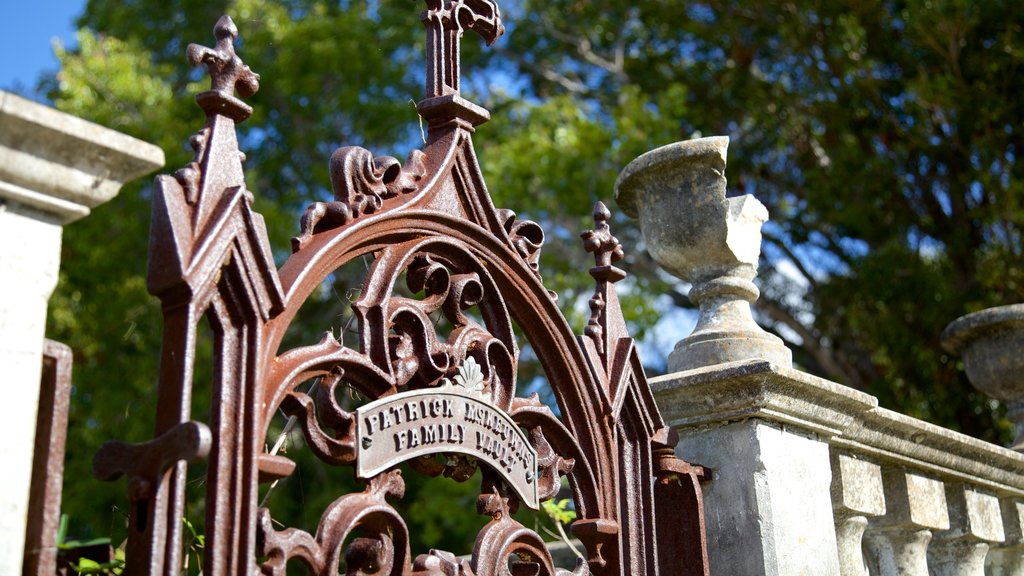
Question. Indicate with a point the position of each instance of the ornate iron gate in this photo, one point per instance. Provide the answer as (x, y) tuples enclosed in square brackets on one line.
[(431, 222)]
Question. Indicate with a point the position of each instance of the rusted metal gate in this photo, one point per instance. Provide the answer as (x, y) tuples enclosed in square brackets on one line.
[(430, 223)]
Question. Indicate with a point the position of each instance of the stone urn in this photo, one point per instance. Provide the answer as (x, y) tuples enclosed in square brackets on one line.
[(713, 242), (991, 343)]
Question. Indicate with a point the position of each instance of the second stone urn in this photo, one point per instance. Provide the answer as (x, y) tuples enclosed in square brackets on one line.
[(713, 242), (991, 342)]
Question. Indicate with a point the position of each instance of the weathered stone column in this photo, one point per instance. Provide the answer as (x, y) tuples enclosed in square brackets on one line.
[(974, 523), (807, 476), (897, 543), (856, 496), (53, 169)]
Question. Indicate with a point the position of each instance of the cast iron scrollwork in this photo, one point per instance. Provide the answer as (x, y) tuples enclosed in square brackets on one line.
[(361, 184), (527, 238), (321, 411), (469, 270), (504, 547), (400, 337), (382, 548), (399, 331)]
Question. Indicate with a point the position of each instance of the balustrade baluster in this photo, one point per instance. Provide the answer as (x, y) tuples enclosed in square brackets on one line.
[(974, 522), (856, 495), (1007, 558), (897, 543)]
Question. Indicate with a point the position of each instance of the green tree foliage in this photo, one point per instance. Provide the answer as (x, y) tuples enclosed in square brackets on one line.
[(883, 137)]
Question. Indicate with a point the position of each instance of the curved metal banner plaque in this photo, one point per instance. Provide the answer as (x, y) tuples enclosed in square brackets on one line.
[(444, 420)]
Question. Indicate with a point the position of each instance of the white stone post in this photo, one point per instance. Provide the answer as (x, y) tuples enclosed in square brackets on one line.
[(53, 168), (768, 509), (763, 431)]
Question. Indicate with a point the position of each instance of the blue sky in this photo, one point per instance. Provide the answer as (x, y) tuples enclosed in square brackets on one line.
[(26, 30)]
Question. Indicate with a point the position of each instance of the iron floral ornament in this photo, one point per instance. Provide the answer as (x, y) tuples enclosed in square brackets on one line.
[(445, 403)]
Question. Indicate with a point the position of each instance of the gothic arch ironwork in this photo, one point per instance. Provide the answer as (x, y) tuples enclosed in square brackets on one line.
[(431, 222)]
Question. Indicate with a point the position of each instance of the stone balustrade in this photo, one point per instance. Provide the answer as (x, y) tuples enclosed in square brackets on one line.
[(811, 477)]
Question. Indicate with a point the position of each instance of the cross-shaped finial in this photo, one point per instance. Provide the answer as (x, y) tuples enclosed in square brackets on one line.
[(445, 21), (227, 73), (605, 247)]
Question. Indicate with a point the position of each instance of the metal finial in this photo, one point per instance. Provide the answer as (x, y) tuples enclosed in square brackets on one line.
[(600, 242), (445, 21), (227, 73)]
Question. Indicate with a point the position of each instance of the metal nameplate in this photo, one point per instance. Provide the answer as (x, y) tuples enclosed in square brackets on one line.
[(411, 424)]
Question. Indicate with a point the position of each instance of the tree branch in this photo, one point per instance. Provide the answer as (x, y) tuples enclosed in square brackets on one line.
[(585, 49), (778, 243), (547, 72), (821, 354)]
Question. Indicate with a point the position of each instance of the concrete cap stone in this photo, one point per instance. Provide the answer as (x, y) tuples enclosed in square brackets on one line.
[(851, 420), (758, 389), (62, 164)]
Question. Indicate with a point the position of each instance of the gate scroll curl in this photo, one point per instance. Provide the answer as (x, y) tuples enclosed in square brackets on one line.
[(430, 223)]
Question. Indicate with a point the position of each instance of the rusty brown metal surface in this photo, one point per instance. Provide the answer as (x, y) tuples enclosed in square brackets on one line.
[(429, 224), (48, 461)]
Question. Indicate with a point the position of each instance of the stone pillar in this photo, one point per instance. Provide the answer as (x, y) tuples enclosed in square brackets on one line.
[(897, 543), (1007, 558), (974, 523), (763, 432), (856, 496), (53, 168), (767, 510), (740, 409)]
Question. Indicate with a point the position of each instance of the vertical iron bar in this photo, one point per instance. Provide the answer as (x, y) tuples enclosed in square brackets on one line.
[(48, 461)]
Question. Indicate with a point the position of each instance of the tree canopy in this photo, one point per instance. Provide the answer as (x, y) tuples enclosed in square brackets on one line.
[(882, 137)]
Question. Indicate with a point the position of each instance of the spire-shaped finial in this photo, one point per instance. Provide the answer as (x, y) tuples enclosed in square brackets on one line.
[(227, 73), (605, 317), (445, 21)]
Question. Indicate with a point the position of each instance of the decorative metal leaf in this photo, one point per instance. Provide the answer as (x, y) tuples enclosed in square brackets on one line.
[(470, 376)]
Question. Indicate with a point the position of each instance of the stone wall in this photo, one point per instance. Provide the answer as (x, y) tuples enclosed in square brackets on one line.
[(811, 477)]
